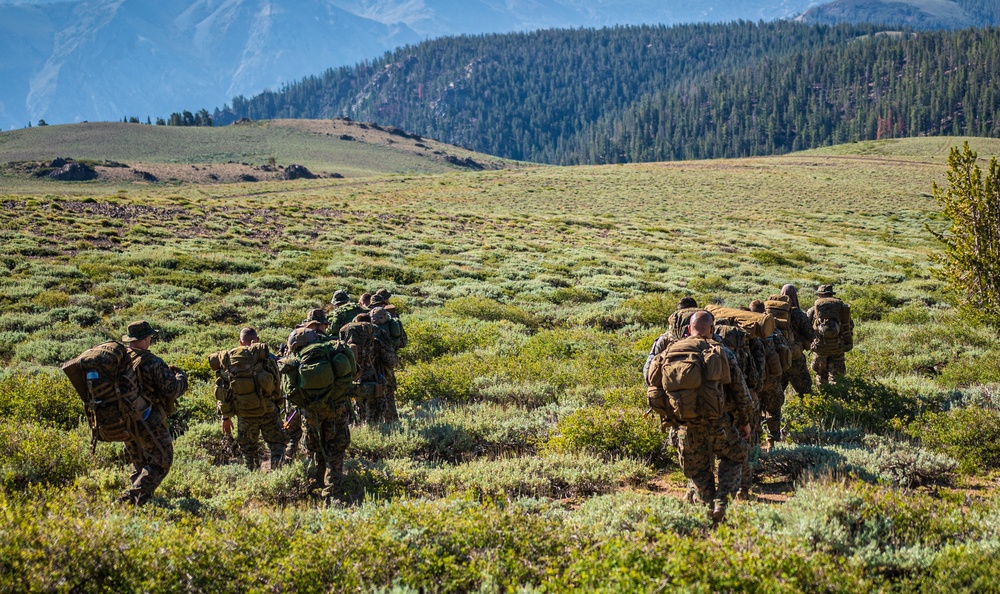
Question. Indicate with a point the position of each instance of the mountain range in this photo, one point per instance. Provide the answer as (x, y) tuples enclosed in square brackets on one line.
[(106, 59)]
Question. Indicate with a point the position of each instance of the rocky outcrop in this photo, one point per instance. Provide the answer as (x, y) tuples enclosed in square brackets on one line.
[(294, 171), (73, 172)]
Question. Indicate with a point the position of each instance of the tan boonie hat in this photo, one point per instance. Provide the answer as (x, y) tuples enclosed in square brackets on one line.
[(825, 290), (377, 300), (301, 337), (138, 331), (315, 316)]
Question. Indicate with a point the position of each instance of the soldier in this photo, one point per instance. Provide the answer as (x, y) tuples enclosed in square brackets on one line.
[(151, 450), (344, 311), (831, 322), (317, 322), (676, 329), (703, 438), (383, 295), (392, 327), (802, 336), (772, 395), (326, 419), (374, 354), (253, 388)]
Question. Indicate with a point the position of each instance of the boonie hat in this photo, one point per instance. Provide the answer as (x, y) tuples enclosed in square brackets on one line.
[(377, 300), (340, 297), (315, 316), (379, 315), (825, 290), (138, 331)]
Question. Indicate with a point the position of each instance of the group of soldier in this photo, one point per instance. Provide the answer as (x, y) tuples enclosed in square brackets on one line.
[(717, 377), (749, 373), (251, 385)]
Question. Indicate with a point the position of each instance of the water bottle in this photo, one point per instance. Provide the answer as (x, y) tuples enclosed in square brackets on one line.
[(92, 375)]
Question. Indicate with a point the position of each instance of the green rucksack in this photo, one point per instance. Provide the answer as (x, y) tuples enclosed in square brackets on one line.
[(343, 316), (107, 380), (394, 328), (247, 380), (319, 375)]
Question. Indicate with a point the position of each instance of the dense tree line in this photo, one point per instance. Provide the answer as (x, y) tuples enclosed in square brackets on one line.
[(652, 93)]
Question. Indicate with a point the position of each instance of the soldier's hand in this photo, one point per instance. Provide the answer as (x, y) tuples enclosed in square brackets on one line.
[(745, 432), (227, 427)]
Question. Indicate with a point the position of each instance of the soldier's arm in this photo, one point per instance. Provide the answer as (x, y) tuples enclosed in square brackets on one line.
[(658, 347), (168, 384), (804, 329)]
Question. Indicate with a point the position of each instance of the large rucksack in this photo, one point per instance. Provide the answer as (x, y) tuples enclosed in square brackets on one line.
[(319, 375), (106, 378), (394, 328), (686, 380), (757, 325), (247, 382), (738, 341), (779, 307), (343, 316), (832, 324), (678, 322)]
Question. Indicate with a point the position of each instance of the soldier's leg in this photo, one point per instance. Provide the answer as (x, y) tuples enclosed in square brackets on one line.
[(771, 401), (798, 375), (837, 367), (732, 452), (292, 425), (274, 436), (391, 414), (338, 440), (158, 456), (317, 465), (248, 438), (821, 366), (695, 453)]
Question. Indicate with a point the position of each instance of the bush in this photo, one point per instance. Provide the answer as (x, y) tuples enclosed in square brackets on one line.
[(529, 394), (651, 309), (33, 454), (852, 403), (869, 303), (44, 398), (969, 435), (613, 433), (491, 311)]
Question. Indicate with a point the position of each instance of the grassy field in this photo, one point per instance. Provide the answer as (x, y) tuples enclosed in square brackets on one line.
[(523, 461), (352, 149)]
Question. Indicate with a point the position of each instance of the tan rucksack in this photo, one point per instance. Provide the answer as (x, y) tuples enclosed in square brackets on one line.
[(757, 325), (832, 324), (106, 378), (247, 382), (691, 374), (779, 307)]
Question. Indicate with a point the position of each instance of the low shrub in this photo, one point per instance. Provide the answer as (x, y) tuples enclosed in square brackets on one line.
[(43, 397), (868, 405), (969, 435), (529, 394), (489, 310), (33, 454), (613, 433), (651, 309)]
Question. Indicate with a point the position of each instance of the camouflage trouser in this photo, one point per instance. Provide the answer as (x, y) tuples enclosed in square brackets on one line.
[(248, 433), (772, 398), (292, 425), (372, 407), (746, 476), (828, 368), (391, 415), (151, 453), (328, 433), (699, 444), (799, 376)]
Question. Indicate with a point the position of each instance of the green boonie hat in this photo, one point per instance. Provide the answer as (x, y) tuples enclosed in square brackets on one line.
[(340, 297), (138, 331), (825, 290), (315, 316)]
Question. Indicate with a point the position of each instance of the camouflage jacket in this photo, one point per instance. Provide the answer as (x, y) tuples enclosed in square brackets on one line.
[(758, 353), (158, 383), (659, 346), (343, 316), (802, 329), (372, 349), (739, 402)]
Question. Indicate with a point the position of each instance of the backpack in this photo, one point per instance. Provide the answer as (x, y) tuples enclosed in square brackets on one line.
[(738, 341), (319, 375), (247, 382), (107, 380), (757, 325), (343, 316), (678, 322), (832, 324), (691, 374), (779, 307), (394, 328)]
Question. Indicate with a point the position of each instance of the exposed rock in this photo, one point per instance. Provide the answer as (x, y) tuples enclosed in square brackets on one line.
[(246, 177), (346, 137), (146, 176), (468, 163), (294, 171), (73, 172), (58, 162)]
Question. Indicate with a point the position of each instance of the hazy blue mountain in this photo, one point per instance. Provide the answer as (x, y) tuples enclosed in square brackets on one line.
[(105, 59), (919, 14)]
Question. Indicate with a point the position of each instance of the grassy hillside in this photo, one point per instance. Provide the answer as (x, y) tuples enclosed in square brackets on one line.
[(351, 149), (523, 460)]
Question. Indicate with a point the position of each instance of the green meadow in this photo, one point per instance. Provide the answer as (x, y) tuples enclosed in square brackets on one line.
[(523, 461)]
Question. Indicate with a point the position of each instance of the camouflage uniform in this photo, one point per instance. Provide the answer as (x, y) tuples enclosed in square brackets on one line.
[(830, 365), (342, 316), (701, 442), (798, 375), (292, 424), (375, 357), (772, 396), (391, 413), (151, 451), (328, 435)]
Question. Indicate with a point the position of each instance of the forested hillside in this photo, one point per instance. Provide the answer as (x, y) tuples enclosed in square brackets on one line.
[(650, 93)]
